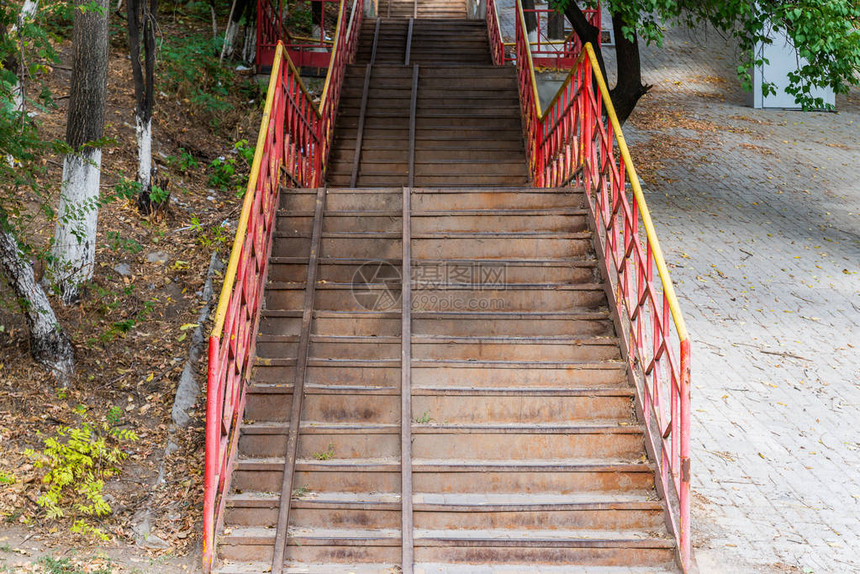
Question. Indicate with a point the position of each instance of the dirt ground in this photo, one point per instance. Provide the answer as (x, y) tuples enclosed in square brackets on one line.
[(131, 332)]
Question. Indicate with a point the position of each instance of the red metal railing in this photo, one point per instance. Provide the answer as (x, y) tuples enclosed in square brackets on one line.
[(303, 51), (494, 29), (546, 52), (578, 140), (560, 54), (292, 149)]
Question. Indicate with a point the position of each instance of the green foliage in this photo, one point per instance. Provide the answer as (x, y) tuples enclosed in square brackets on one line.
[(66, 566), (299, 19), (231, 172), (184, 162), (222, 173), (190, 68), (217, 235), (116, 242), (77, 461), (158, 195), (127, 189), (325, 455), (826, 33), (20, 145)]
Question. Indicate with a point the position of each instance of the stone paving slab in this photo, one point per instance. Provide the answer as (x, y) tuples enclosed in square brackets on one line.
[(758, 212)]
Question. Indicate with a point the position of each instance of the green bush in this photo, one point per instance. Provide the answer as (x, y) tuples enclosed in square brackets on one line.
[(77, 461)]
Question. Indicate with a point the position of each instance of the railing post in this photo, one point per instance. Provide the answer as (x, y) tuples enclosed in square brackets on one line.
[(684, 494), (212, 454)]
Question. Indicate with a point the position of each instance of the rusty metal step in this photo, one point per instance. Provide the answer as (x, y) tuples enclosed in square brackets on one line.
[(540, 511), (494, 374), (438, 168), (313, 545), (453, 181), (526, 441), (346, 440), (568, 547), (332, 475), (442, 406), (315, 510)]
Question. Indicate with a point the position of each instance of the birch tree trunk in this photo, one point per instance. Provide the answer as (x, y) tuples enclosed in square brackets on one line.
[(75, 235), (49, 344), (28, 12), (142, 16)]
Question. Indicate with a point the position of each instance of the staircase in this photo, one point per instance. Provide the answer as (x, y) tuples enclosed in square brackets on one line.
[(439, 386), (422, 9), (464, 111)]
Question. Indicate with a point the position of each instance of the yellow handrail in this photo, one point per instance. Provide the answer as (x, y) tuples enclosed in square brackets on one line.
[(499, 24), (529, 58), (650, 232), (647, 222), (336, 44), (248, 203)]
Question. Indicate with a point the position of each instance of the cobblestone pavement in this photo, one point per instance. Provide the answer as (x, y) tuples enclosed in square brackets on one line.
[(759, 215)]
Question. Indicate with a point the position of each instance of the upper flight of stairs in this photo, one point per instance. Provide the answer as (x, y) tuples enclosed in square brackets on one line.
[(521, 450), (468, 130), (422, 9)]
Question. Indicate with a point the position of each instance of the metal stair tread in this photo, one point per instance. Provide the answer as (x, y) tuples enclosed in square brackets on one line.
[(618, 390), (539, 501), (531, 339), (292, 567), (513, 568), (605, 364), (333, 464), (320, 427), (592, 426), (603, 464), (263, 535), (334, 499), (559, 538)]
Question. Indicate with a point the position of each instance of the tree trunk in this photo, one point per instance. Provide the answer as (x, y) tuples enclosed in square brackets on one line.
[(249, 47), (531, 20), (585, 31), (28, 12), (49, 344), (75, 236), (142, 15), (555, 26), (240, 10), (629, 87)]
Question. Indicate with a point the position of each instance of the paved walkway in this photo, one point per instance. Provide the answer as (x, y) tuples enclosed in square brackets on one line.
[(759, 215)]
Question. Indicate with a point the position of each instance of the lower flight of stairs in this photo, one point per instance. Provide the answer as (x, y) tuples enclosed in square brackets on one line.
[(526, 450)]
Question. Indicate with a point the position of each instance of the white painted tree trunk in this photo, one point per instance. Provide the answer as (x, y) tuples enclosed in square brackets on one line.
[(74, 247), (249, 50), (28, 12), (144, 151), (49, 345), (229, 39)]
